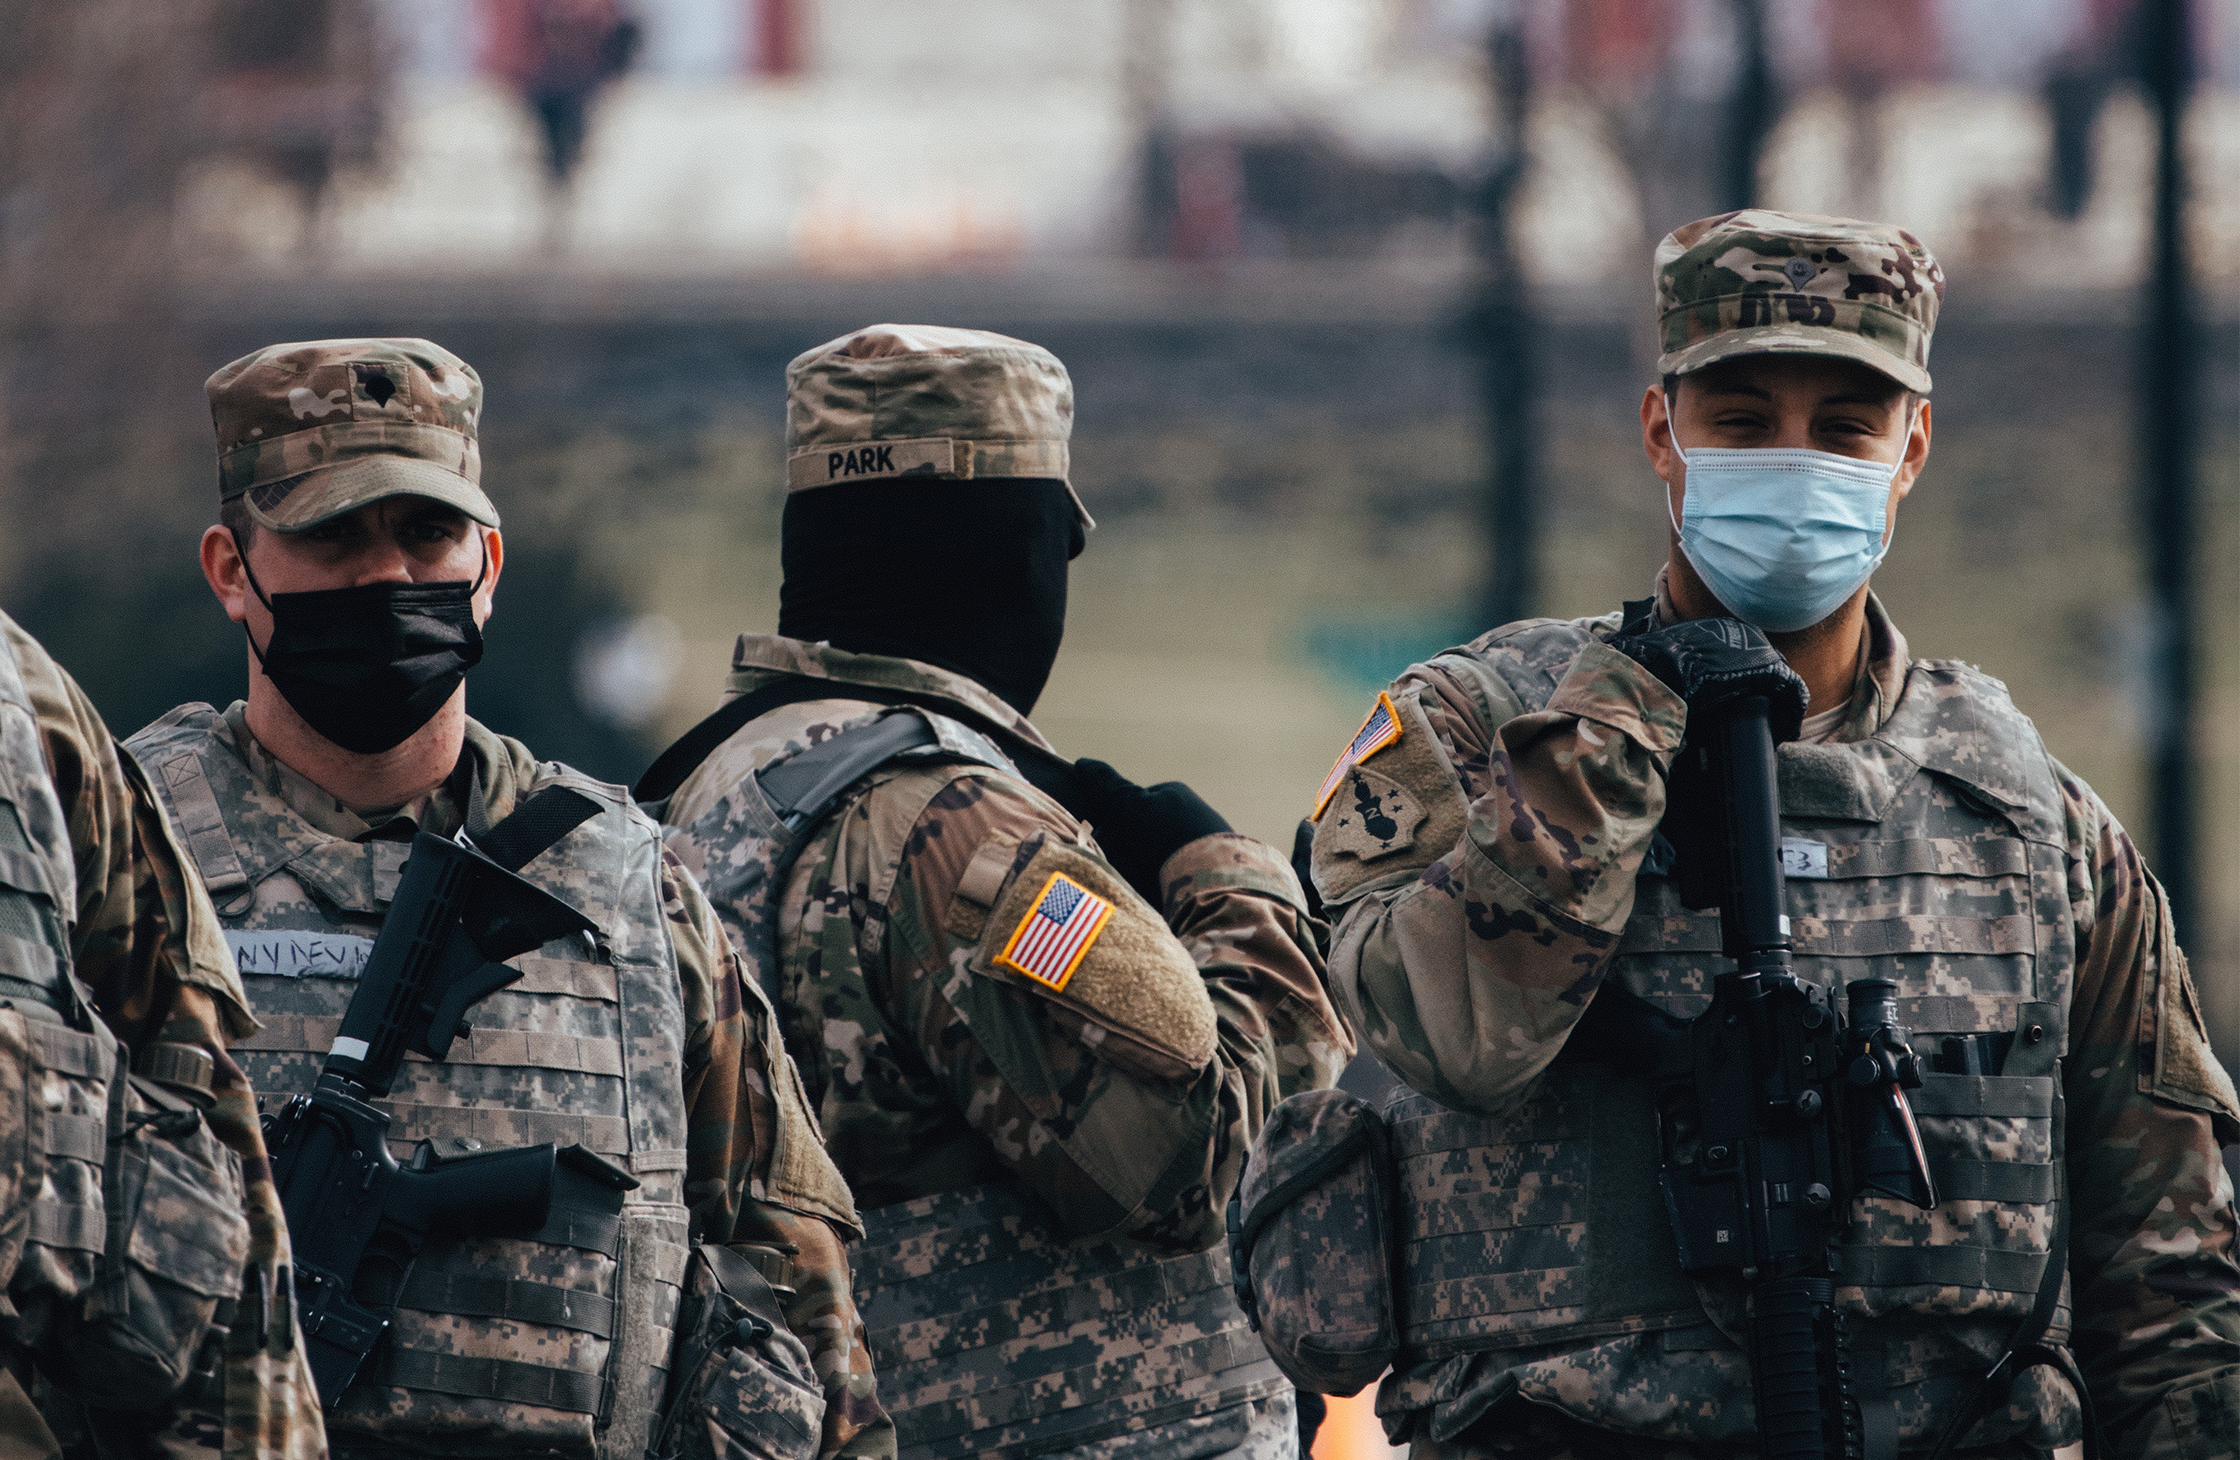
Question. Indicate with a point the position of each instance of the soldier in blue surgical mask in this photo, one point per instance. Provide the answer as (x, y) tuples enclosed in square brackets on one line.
[(1489, 846)]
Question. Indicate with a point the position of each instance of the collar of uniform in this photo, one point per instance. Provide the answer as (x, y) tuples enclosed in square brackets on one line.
[(1882, 669), (438, 811), (1882, 675), (760, 658)]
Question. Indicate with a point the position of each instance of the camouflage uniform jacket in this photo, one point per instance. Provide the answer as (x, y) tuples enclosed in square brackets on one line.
[(144, 941), (301, 884), (931, 1077), (1522, 816)]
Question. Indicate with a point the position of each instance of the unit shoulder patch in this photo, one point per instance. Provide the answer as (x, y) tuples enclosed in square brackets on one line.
[(1375, 815), (1402, 813), (1379, 730), (1067, 929)]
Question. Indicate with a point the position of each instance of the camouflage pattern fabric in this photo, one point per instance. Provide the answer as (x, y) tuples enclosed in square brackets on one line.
[(1759, 282), (1961, 860), (649, 1050), (743, 1386), (931, 401), (933, 1077), (143, 938), (1314, 1227), (313, 430)]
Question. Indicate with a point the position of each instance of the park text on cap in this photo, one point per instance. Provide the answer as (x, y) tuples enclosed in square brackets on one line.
[(310, 431), (911, 400), (1760, 282)]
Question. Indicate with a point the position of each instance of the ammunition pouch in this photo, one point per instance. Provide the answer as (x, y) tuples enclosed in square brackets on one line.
[(154, 1321), (740, 1383), (1313, 1243)]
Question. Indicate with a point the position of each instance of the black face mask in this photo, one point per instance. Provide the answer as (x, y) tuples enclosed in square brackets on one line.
[(970, 576), (368, 666)]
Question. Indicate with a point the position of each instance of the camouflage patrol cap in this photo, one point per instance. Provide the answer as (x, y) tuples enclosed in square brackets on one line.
[(1760, 282), (309, 431), (917, 400)]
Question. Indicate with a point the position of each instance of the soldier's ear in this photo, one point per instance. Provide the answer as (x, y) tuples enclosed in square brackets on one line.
[(485, 594), (1656, 432), (223, 568), (1917, 446)]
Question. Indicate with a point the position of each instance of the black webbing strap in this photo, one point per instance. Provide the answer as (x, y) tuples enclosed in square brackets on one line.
[(801, 786), (535, 825), (1044, 769)]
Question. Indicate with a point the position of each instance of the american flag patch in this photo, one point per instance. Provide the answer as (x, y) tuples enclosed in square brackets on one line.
[(1381, 729), (1050, 941)]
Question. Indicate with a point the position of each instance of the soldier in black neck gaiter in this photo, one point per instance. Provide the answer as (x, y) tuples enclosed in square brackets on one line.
[(967, 576)]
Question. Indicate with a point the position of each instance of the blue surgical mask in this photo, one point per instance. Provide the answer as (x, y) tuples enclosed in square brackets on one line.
[(1783, 536)]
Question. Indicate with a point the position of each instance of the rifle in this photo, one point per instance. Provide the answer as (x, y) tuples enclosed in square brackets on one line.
[(356, 1219), (1771, 1116)]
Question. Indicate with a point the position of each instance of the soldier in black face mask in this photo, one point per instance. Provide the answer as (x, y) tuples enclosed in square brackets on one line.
[(1041, 1010), (359, 554)]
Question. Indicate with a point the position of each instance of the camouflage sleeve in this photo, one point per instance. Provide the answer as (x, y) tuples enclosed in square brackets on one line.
[(1467, 977), (732, 1131), (147, 942), (1237, 907), (1114, 1138), (143, 926), (2152, 1260)]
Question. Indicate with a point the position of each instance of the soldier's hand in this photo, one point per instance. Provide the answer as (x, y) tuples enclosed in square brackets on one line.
[(1139, 827), (1710, 661)]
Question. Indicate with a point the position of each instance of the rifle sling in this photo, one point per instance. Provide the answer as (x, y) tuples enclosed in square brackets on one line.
[(535, 826), (1043, 769)]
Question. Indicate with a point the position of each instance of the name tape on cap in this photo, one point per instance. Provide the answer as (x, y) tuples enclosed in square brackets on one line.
[(860, 461)]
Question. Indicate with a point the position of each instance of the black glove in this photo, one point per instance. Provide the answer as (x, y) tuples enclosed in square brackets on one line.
[(1709, 661), (1139, 827), (1302, 862)]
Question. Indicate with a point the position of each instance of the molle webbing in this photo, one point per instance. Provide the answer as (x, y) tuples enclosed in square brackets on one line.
[(517, 1300), (1104, 1340), (505, 1380), (1537, 1227)]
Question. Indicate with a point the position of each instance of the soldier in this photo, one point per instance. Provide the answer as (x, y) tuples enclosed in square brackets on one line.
[(103, 914), (360, 555), (1040, 1057), (1492, 839)]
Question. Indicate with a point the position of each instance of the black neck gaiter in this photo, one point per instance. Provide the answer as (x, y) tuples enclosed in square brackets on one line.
[(969, 576)]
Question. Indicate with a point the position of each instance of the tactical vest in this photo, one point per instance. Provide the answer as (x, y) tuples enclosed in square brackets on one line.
[(1931, 854), (556, 1343), (57, 1061), (992, 1334)]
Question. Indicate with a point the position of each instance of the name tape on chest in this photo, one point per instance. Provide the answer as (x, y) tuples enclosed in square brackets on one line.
[(825, 466), (1055, 935), (1380, 730), (1802, 858), (286, 954)]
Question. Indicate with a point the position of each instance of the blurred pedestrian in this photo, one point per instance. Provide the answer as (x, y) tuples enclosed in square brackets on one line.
[(1039, 1050), (1492, 843), (360, 555), (559, 54), (145, 1234)]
